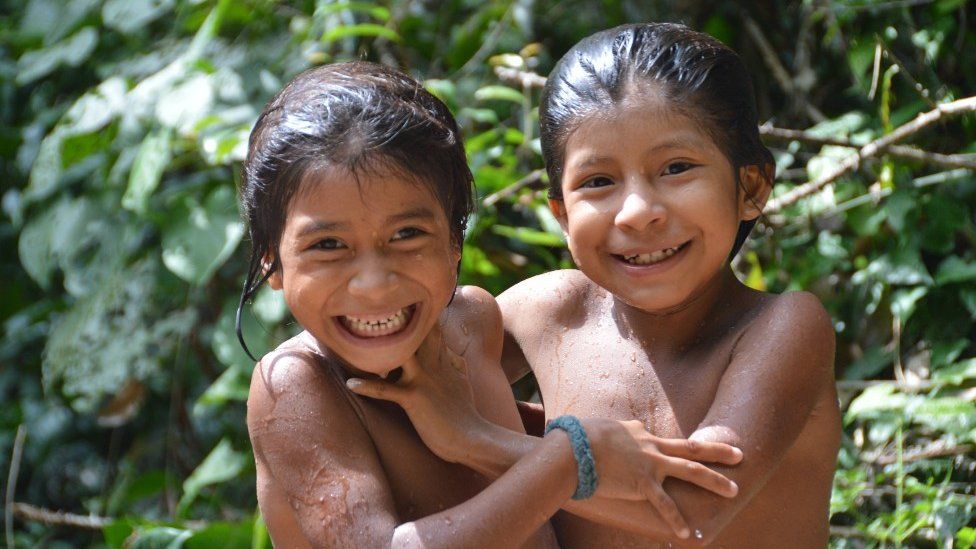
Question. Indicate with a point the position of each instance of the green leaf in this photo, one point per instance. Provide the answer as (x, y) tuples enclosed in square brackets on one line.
[(374, 11), (231, 386), (956, 374), (222, 464), (200, 238), (222, 534), (531, 237), (360, 29), (128, 16), (159, 537), (147, 170), (955, 269), (874, 399), (873, 362), (499, 93), (903, 302), (72, 51)]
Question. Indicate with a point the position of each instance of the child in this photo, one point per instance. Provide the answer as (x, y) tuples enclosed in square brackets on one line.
[(657, 174), (356, 193)]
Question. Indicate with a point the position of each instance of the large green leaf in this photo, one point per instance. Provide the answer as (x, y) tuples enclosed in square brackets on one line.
[(200, 237), (222, 464), (72, 51), (129, 16), (147, 170)]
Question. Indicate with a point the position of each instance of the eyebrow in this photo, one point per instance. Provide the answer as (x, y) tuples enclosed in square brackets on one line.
[(678, 142), (319, 226), (418, 213)]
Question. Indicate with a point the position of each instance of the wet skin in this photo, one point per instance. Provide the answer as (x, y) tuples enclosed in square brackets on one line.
[(659, 330), (335, 469)]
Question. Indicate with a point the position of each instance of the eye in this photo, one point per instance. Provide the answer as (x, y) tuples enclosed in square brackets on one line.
[(328, 244), (674, 168), (407, 233), (596, 182)]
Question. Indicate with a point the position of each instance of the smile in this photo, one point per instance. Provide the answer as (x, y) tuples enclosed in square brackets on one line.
[(378, 325), (652, 257)]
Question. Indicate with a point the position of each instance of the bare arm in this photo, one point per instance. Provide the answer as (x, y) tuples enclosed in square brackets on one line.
[(337, 488), (631, 463), (780, 368)]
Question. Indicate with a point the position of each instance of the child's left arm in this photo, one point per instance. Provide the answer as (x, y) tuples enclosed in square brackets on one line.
[(781, 369)]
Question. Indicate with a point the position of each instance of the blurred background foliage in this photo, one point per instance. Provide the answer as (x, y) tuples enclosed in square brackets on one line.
[(124, 123)]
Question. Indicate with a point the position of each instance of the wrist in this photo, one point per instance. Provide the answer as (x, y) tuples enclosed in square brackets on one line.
[(580, 444)]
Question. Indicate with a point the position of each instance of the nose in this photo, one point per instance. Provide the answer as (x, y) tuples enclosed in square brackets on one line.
[(374, 278), (639, 209)]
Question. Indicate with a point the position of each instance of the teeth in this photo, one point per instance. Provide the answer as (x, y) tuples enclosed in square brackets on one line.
[(653, 257), (376, 327)]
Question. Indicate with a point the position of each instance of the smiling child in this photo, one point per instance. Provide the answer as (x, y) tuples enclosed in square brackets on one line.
[(356, 194), (657, 173)]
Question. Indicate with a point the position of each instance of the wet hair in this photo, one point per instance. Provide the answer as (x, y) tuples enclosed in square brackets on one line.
[(358, 117), (700, 78)]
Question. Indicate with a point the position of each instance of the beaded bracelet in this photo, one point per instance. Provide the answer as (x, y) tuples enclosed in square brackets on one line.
[(585, 466)]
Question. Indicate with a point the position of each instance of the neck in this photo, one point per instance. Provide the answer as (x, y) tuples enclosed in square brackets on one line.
[(674, 329)]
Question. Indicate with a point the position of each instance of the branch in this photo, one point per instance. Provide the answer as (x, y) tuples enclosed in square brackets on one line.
[(27, 512), (12, 482), (935, 450), (872, 149), (523, 79), (534, 179), (900, 151)]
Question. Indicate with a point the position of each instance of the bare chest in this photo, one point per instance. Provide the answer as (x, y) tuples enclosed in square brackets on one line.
[(594, 371)]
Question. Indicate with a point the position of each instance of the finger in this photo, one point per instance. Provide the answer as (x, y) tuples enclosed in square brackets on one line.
[(381, 390), (699, 475), (666, 507), (700, 450), (411, 368)]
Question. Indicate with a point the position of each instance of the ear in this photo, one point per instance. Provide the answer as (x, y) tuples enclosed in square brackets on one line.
[(756, 184), (558, 209), (274, 280)]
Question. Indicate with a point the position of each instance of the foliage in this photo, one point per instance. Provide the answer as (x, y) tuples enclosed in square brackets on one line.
[(124, 124)]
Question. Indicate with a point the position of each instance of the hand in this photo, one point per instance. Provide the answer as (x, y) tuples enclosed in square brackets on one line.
[(436, 394), (632, 464)]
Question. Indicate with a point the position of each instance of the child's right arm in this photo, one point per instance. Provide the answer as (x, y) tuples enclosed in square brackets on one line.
[(307, 437)]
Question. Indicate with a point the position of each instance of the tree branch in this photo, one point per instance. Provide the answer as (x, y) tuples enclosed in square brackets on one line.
[(27, 512), (12, 474), (534, 179), (523, 79), (872, 149)]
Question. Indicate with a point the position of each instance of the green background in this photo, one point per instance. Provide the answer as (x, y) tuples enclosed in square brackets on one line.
[(122, 255)]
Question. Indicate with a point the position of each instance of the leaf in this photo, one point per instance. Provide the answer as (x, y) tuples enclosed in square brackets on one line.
[(903, 302), (200, 238), (72, 51), (374, 11), (128, 16), (222, 534), (147, 170), (54, 235), (873, 362), (186, 104), (158, 537), (955, 269), (956, 374), (499, 93), (222, 464), (529, 236), (360, 29), (874, 399)]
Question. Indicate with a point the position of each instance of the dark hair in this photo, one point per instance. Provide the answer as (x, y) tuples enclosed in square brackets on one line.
[(359, 117), (698, 75)]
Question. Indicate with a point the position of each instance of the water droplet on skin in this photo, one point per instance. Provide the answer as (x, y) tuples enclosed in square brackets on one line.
[(698, 534), (464, 329)]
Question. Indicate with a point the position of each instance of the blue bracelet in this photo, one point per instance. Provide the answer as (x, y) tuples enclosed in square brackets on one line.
[(585, 466)]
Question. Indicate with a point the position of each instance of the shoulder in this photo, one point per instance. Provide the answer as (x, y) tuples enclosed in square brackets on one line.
[(293, 376), (555, 295), (794, 325)]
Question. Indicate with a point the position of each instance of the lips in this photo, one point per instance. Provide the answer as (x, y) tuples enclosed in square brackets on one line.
[(378, 324), (650, 258)]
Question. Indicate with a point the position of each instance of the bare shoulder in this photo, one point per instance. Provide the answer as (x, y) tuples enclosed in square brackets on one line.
[(791, 334), (555, 294)]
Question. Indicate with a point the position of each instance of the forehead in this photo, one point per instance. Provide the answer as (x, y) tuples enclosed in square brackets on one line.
[(640, 123), (339, 192)]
